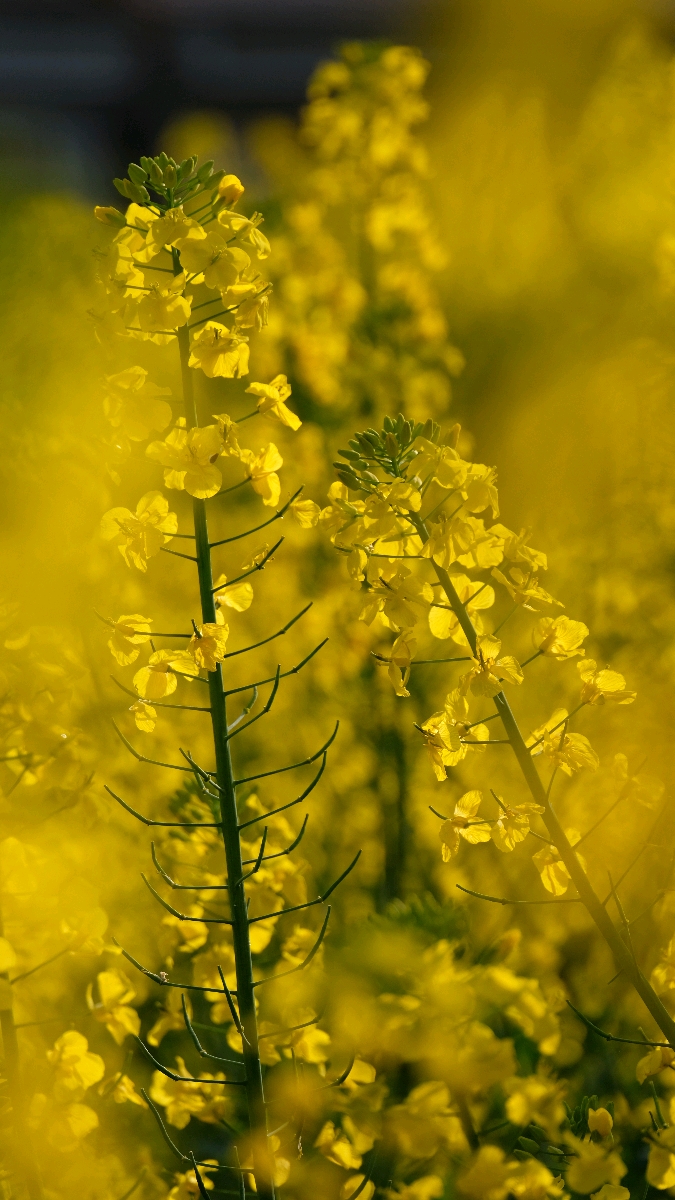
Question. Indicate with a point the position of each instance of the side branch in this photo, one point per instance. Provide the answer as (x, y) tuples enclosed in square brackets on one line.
[(284, 674), (293, 766), (282, 807), (183, 916), (153, 762), (279, 633), (256, 529), (258, 567), (163, 824)]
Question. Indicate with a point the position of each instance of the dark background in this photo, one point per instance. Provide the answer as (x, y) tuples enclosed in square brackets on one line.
[(86, 87)]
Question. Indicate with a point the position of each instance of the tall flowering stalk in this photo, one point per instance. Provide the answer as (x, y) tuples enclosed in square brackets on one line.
[(409, 514), (184, 250)]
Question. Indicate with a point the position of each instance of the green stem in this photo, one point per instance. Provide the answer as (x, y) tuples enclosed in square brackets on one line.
[(228, 809), (591, 902)]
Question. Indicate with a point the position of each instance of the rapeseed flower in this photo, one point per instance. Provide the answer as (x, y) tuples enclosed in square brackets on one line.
[(272, 400), (219, 351), (140, 535), (188, 457), (463, 824)]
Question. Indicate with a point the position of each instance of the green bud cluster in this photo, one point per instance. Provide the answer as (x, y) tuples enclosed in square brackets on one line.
[(534, 1143), (172, 182), (578, 1117), (390, 449)]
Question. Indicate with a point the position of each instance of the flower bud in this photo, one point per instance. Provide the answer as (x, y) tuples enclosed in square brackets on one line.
[(600, 1121), (110, 216), (230, 189), (137, 174), (391, 445), (170, 176)]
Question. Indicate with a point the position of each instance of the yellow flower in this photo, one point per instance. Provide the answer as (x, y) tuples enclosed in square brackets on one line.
[(188, 457), (228, 433), (140, 535), (462, 824), (600, 1121), (513, 824), (170, 227), (219, 351), (208, 254), (593, 1166), (611, 1191), (661, 1166), (486, 1178), (663, 975), (655, 1061), (272, 400), (145, 716), (133, 405), (250, 304), (523, 587), (554, 874), (401, 655), (124, 1092), (448, 736), (535, 1098), (599, 687), (171, 1016), (208, 645), (428, 1187), (337, 1148), (76, 1068), (186, 1186), (69, 1126), (559, 637), (262, 470), (305, 512), (205, 1099), (159, 678), (161, 308), (238, 596), (128, 634), (230, 189), (112, 1008), (474, 596), (489, 672), (569, 751)]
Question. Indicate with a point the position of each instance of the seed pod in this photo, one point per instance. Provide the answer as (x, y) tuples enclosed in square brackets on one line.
[(137, 174)]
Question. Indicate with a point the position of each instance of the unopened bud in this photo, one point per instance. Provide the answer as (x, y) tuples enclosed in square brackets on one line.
[(453, 436), (137, 174), (230, 189), (600, 1121), (170, 176), (110, 216), (391, 445)]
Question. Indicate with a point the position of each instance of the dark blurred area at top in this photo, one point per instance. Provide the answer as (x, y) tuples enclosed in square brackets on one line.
[(86, 87)]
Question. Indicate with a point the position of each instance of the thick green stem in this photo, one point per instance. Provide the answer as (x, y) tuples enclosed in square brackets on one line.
[(596, 910), (228, 809)]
